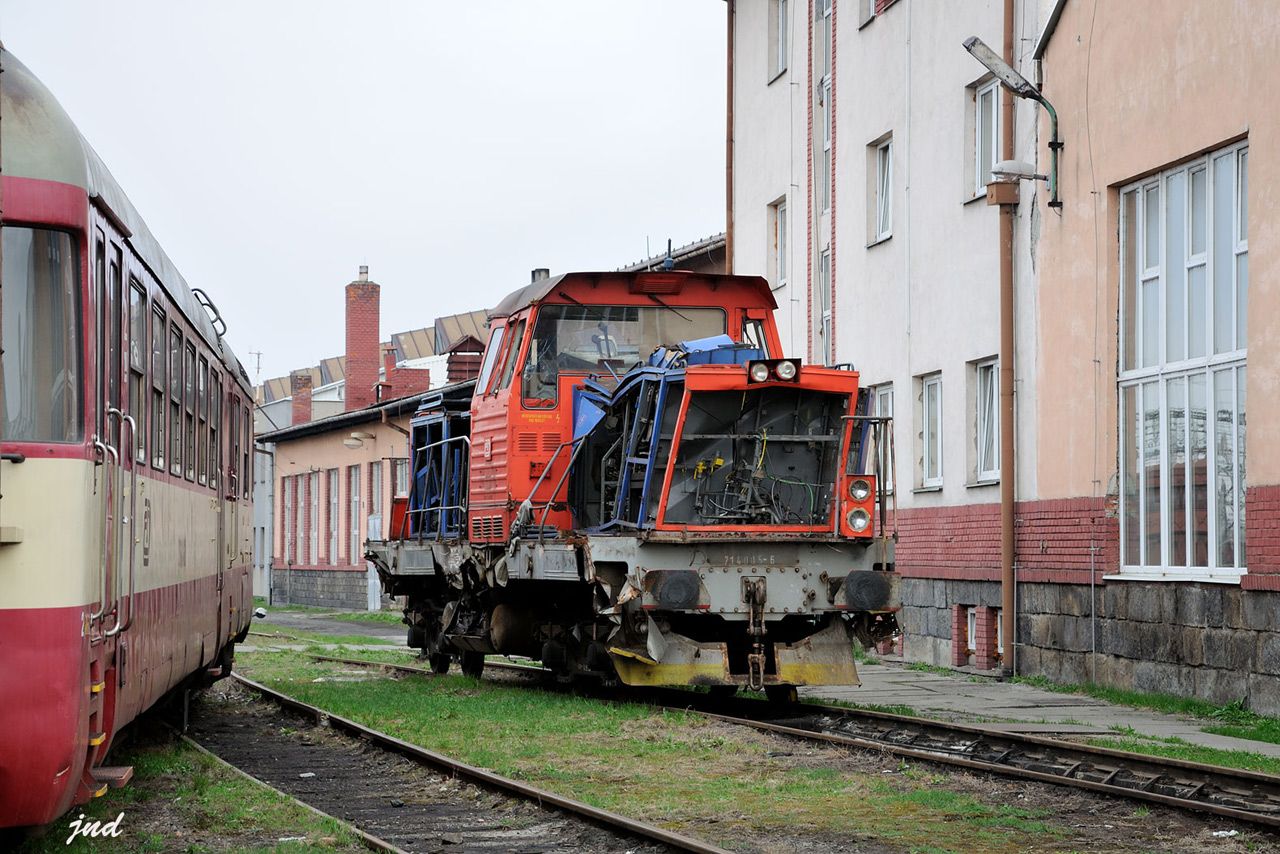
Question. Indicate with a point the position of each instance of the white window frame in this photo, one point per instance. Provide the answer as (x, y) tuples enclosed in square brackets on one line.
[(931, 446), (823, 49), (290, 555), (313, 517), (334, 505), (353, 514), (986, 420), (971, 628), (1158, 373), (778, 219), (400, 474), (825, 345), (992, 121), (779, 37), (883, 191), (882, 407), (824, 174)]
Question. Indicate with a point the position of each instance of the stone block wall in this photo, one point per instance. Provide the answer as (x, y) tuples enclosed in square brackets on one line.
[(1216, 642), (322, 588)]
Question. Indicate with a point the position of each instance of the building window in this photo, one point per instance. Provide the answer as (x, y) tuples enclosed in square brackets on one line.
[(1184, 281), (866, 11), (287, 511), (353, 514), (985, 106), (374, 527), (986, 420), (778, 243), (331, 523), (779, 37), (400, 472), (882, 407), (931, 431), (882, 191), (822, 50), (825, 347)]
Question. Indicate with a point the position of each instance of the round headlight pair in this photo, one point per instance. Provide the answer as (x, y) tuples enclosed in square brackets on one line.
[(786, 370), (759, 372), (859, 490), (859, 520)]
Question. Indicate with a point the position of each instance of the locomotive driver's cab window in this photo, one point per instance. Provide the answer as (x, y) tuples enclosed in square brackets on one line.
[(605, 341)]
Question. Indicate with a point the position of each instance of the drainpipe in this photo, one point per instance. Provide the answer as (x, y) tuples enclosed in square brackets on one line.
[(728, 142), (1007, 473)]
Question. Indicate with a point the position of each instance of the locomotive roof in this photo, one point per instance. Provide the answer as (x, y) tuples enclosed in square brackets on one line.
[(754, 290), (41, 141)]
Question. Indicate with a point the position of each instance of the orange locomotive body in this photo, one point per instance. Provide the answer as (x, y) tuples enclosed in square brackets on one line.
[(640, 486)]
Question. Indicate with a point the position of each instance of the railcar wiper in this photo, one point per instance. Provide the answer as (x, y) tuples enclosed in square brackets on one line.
[(677, 312)]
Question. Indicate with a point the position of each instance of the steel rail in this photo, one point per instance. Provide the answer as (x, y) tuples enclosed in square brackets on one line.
[(481, 777), (373, 843), (1071, 759)]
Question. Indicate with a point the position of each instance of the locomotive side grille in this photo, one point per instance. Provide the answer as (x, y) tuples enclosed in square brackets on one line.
[(487, 528), (550, 441), (527, 443)]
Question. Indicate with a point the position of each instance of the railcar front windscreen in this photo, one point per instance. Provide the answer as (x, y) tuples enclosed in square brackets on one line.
[(42, 377), (604, 339)]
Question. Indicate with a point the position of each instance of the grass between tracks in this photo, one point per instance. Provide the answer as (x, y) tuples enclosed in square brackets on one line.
[(676, 769), (181, 800)]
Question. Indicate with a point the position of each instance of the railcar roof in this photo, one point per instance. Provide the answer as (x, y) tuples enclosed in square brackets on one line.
[(749, 291), (42, 142)]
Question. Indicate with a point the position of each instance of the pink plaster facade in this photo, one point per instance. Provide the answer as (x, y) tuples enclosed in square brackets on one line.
[(1140, 87), (323, 453)]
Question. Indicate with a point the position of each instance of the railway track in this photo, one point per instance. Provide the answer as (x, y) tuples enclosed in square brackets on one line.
[(1242, 795), (406, 797)]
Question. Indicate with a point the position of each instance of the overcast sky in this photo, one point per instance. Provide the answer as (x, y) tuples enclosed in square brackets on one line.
[(273, 146)]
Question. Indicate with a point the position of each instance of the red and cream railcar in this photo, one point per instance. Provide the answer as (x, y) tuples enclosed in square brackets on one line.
[(125, 479)]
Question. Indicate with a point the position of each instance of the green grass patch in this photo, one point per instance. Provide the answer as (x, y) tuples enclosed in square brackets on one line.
[(1176, 748), (671, 767), (292, 635), (181, 800), (862, 655), (1232, 719), (923, 667), (392, 617)]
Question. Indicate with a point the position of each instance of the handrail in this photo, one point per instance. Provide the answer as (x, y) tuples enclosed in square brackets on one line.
[(577, 445), (123, 522), (440, 509), (104, 567)]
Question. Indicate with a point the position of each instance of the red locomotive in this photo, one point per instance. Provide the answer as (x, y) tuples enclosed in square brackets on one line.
[(126, 450), (640, 486)]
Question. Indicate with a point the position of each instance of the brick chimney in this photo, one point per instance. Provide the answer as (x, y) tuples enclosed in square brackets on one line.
[(400, 382), (300, 390), (362, 341)]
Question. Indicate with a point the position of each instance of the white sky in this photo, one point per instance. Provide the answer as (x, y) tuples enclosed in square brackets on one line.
[(274, 146)]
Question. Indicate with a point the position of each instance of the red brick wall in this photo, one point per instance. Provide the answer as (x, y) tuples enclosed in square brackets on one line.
[(1262, 538), (1054, 540), (362, 344), (300, 391)]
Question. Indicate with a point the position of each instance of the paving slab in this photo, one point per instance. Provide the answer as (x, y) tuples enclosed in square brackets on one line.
[(964, 697)]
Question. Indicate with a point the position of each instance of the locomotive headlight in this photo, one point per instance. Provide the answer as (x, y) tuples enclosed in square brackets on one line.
[(759, 372), (859, 490), (858, 519), (786, 370)]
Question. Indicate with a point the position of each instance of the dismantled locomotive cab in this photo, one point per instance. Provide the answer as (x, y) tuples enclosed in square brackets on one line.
[(764, 456)]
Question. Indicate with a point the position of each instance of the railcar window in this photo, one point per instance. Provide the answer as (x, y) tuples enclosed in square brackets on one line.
[(246, 461), (215, 422), (158, 381), (234, 423), (189, 412), (42, 378), (175, 400), (202, 416), (490, 357), (114, 354), (603, 339), (138, 367), (513, 351)]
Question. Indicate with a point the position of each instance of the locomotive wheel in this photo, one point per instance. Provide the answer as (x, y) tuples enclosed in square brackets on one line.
[(439, 662), (472, 664), (782, 694)]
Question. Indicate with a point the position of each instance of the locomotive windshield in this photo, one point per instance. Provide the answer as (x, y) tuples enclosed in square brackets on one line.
[(762, 457), (41, 400), (600, 339)]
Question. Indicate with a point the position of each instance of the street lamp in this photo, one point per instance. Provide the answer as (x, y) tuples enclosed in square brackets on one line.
[(1023, 88)]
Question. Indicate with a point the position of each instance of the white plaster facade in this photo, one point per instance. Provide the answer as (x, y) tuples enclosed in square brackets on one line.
[(925, 299)]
